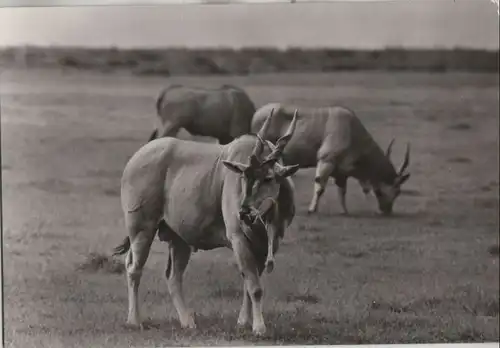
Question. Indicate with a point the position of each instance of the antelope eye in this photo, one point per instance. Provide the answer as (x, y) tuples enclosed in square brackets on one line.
[(268, 178)]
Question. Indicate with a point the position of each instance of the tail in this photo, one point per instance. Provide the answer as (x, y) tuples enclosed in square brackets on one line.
[(159, 100), (153, 135), (122, 248)]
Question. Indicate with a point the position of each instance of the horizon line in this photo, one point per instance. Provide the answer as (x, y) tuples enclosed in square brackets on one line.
[(253, 47)]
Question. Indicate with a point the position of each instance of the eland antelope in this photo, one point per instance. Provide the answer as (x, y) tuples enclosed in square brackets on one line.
[(224, 113), (206, 196), (334, 140)]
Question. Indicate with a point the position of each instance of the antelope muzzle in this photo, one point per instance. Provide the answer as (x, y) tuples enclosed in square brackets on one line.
[(245, 214)]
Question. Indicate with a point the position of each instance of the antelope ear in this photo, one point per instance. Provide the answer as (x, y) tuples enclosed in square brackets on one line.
[(402, 179), (236, 167), (286, 171)]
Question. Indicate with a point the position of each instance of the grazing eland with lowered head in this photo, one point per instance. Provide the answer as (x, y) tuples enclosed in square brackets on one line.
[(206, 196), (334, 140), (223, 113)]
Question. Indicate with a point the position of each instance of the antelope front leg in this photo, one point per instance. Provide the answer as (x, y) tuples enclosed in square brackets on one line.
[(245, 314), (249, 271), (342, 190), (178, 258), (323, 172)]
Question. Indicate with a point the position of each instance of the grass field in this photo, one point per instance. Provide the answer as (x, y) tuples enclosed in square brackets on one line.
[(428, 274)]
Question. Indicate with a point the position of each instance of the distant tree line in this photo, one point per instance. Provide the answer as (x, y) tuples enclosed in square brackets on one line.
[(181, 61)]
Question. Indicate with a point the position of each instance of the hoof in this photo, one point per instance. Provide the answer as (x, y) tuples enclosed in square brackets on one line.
[(241, 324), (188, 324), (132, 324), (259, 331)]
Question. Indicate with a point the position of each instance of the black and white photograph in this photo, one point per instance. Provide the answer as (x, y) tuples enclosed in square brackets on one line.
[(237, 173)]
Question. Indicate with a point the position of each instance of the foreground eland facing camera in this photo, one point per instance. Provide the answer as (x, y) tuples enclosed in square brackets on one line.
[(204, 196), (334, 140), (223, 113)]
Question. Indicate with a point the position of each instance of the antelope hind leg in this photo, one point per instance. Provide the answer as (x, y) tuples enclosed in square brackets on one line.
[(140, 245), (178, 258), (341, 183)]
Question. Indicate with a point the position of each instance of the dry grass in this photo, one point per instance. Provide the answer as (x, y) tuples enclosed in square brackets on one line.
[(429, 274)]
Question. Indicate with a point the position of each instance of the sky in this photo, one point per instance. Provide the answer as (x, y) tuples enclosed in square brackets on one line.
[(339, 24)]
